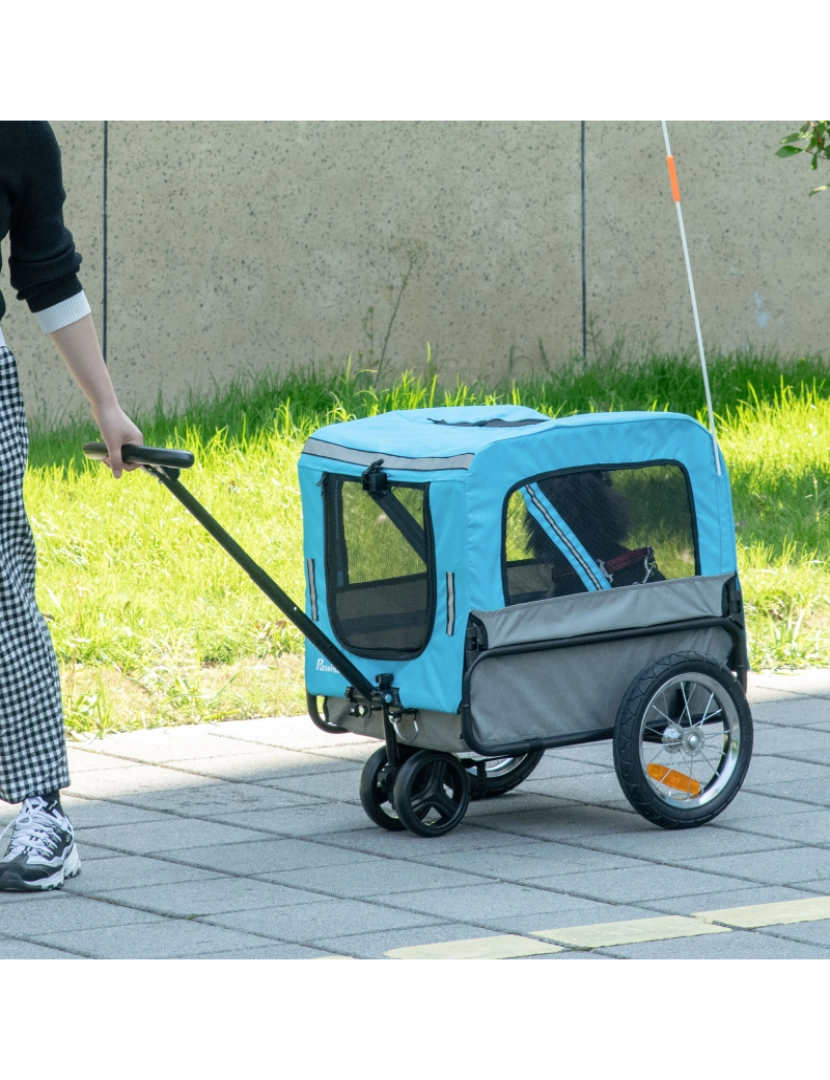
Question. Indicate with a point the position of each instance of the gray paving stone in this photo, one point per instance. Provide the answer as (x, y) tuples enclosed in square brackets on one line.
[(14, 949), (373, 946), (169, 834), (81, 761), (27, 915), (571, 822), (736, 945), (403, 845), (86, 814), (793, 712), (669, 845), (93, 853), (380, 878), (263, 765), (596, 787), (758, 694), (192, 899), (568, 954), (292, 732), (748, 806), (809, 826), (311, 923), (597, 753), (570, 912), (812, 744), (529, 860), (341, 786), (812, 933), (262, 857), (810, 791), (777, 867), (131, 780), (272, 951), (505, 807), (812, 681), (748, 896), (631, 886), (554, 766), (219, 797), (323, 820), (356, 753), (129, 871), (164, 744), (774, 771), (482, 904), (156, 939)]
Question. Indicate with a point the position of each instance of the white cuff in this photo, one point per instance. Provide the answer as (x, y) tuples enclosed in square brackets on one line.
[(67, 311)]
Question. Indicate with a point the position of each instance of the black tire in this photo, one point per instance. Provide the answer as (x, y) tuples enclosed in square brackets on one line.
[(682, 713), (375, 790), (319, 721), (500, 775), (431, 793)]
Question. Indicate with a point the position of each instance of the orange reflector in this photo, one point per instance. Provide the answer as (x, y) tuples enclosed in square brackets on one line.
[(675, 187), (673, 779)]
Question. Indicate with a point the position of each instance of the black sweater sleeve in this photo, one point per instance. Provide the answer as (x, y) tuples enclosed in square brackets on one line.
[(43, 263)]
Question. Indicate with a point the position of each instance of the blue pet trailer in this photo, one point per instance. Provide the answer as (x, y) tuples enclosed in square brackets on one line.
[(485, 583)]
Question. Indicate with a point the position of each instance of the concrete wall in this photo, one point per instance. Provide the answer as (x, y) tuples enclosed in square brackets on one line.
[(235, 246)]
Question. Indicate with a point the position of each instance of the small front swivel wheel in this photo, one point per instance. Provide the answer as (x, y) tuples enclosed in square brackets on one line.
[(431, 793), (375, 792)]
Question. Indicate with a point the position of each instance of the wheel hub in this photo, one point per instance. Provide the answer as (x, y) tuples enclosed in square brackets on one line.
[(692, 741), (673, 739)]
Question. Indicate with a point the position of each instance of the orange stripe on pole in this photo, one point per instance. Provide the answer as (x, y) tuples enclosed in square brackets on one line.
[(675, 187)]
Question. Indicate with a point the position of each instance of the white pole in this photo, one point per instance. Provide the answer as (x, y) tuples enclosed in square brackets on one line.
[(676, 195)]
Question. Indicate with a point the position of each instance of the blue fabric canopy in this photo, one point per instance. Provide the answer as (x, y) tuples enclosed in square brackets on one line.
[(471, 469)]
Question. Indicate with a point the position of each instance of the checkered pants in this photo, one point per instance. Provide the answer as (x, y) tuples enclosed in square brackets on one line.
[(32, 743)]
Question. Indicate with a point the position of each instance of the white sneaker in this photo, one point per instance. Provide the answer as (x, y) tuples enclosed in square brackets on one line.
[(42, 852)]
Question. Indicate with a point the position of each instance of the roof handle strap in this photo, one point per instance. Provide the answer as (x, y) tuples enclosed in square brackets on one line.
[(561, 534)]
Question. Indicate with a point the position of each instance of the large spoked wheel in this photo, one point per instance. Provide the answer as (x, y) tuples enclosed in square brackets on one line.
[(431, 793), (376, 782), (682, 741), (491, 777)]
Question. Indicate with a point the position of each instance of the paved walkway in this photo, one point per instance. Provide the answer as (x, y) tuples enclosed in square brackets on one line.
[(247, 839)]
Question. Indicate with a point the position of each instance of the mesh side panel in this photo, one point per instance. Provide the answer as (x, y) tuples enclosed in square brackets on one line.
[(381, 591), (614, 514)]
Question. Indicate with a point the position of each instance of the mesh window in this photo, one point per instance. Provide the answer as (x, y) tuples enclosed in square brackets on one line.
[(381, 588), (638, 523)]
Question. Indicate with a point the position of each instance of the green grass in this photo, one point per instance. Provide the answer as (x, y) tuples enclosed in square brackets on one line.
[(154, 624)]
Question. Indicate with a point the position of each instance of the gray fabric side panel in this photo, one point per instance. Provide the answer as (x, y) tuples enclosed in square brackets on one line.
[(424, 729), (568, 691), (318, 448), (612, 609)]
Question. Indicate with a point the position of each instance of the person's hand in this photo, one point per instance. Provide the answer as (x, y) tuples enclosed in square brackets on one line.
[(117, 429)]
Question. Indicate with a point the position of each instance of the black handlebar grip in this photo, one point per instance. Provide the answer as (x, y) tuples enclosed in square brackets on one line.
[(144, 455)]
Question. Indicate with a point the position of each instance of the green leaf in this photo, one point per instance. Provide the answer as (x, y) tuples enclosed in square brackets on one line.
[(823, 187), (795, 137), (788, 151)]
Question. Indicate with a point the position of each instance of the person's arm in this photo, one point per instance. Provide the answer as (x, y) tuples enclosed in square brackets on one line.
[(78, 345)]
